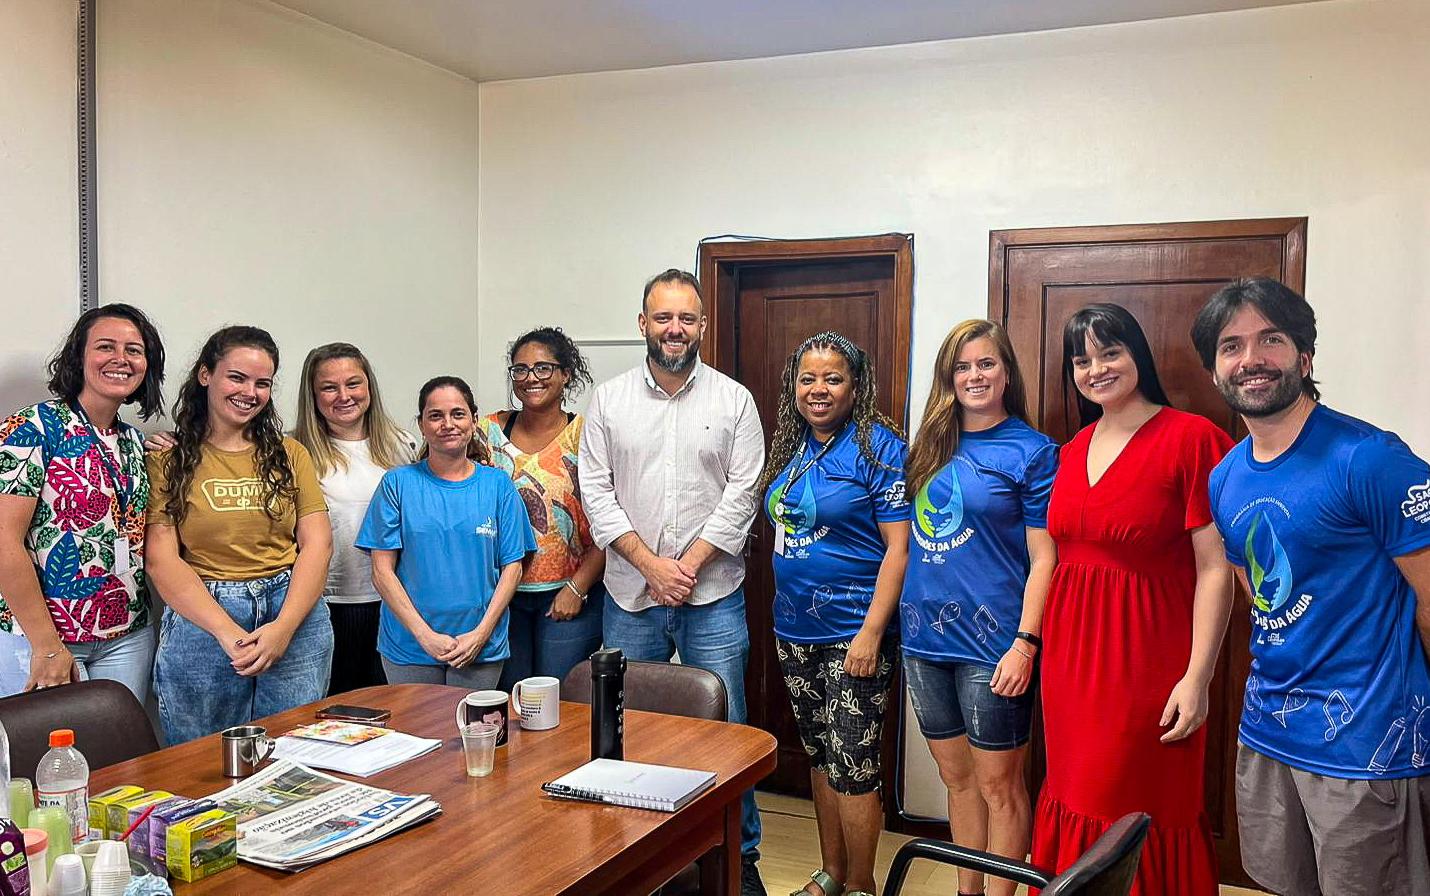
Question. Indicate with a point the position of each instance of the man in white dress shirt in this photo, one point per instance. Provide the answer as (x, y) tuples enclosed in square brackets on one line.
[(669, 458)]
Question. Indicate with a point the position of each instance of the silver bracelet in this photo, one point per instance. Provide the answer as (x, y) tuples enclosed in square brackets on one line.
[(572, 586)]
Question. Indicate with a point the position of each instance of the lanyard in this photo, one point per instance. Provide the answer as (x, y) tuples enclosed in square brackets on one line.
[(122, 495), (800, 471)]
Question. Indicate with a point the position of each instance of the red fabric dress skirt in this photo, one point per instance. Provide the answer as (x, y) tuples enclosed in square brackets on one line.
[(1118, 635)]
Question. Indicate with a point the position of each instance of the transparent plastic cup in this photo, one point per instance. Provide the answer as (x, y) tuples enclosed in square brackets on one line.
[(479, 746)]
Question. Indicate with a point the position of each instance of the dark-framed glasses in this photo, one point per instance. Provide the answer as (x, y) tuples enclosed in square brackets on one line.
[(542, 369)]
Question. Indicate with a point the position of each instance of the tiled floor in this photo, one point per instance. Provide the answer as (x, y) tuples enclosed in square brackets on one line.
[(790, 851)]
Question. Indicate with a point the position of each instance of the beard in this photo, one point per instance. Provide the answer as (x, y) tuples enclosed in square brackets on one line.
[(677, 364), (1285, 389)]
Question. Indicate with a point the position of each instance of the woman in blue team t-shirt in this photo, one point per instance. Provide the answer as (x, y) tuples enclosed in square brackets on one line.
[(834, 493), (979, 568), (447, 536)]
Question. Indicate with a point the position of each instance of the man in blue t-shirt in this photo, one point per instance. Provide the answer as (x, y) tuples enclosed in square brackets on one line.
[(1328, 520)]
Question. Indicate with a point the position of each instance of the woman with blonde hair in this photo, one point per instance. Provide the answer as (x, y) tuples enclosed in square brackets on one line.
[(353, 442), (979, 566)]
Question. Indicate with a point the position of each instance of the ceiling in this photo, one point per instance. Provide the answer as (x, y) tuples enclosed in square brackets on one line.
[(488, 40)]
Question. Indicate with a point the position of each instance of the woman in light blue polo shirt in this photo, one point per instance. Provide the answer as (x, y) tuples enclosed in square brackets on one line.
[(448, 535)]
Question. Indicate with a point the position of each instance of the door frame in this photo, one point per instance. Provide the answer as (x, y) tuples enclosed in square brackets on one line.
[(1291, 230), (720, 263), (719, 273)]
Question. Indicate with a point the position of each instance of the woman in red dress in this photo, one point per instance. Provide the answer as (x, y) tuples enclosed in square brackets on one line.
[(1135, 616)]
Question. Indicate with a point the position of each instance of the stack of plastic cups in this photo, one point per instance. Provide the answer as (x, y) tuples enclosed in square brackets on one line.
[(55, 821), (36, 843), (68, 878), (22, 801), (111, 870)]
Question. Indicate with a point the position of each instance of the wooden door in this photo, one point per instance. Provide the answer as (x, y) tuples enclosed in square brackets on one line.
[(765, 302), (1162, 274)]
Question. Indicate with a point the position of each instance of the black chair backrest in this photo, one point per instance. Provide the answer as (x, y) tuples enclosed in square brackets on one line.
[(671, 688), (109, 724), (1109, 865)]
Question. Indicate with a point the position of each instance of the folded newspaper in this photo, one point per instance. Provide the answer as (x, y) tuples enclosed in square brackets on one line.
[(291, 817)]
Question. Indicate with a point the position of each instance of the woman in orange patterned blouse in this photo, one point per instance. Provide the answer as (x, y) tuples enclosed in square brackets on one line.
[(555, 617)]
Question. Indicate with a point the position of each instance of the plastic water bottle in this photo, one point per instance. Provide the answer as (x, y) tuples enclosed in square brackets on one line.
[(4, 773), (63, 780)]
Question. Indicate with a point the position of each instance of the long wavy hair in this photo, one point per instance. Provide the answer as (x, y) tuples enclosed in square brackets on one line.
[(791, 427), (191, 427), (1108, 324), (384, 438), (477, 449), (937, 440)]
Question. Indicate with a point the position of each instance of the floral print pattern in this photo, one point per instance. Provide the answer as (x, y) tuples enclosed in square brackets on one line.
[(47, 453), (840, 717)]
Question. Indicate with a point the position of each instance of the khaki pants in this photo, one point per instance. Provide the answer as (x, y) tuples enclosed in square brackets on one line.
[(1304, 834)]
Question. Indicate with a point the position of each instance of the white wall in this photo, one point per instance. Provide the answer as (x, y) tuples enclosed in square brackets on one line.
[(589, 183), (259, 167), (39, 224)]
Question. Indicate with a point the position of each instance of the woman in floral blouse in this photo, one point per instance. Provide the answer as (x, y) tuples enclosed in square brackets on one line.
[(73, 493)]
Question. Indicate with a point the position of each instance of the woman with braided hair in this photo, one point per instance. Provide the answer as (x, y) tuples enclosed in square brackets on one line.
[(834, 493)]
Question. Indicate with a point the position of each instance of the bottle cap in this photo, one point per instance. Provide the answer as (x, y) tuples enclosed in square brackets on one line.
[(36, 840), (62, 737), (609, 659)]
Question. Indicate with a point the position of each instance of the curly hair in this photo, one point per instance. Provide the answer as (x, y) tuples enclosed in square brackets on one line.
[(563, 348), (66, 368), (937, 439), (191, 427), (790, 426), (477, 449)]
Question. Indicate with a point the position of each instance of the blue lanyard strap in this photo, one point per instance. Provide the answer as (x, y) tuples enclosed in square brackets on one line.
[(122, 495)]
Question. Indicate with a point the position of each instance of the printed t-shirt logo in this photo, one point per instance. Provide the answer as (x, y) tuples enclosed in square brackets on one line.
[(488, 528), (230, 495), (1267, 566), (936, 515), (1416, 505), (798, 518)]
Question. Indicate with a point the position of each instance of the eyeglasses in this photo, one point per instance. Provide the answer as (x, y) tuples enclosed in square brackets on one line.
[(542, 369)]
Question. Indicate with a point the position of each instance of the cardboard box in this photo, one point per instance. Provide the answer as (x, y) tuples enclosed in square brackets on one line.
[(117, 819), (202, 845), (165, 816), (99, 809)]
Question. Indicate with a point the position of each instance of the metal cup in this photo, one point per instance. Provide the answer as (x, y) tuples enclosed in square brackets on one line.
[(244, 749)]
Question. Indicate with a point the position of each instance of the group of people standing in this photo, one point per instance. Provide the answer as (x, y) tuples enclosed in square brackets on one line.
[(983, 557)]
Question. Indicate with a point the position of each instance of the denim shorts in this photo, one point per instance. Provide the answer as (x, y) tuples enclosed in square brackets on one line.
[(953, 699)]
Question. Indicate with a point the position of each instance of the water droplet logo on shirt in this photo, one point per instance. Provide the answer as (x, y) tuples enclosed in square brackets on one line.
[(1268, 568), (798, 519), (938, 514)]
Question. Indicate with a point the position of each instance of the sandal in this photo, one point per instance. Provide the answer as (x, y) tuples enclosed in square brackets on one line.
[(829, 885)]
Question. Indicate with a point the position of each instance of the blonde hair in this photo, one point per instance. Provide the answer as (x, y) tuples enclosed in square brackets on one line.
[(937, 439), (384, 439)]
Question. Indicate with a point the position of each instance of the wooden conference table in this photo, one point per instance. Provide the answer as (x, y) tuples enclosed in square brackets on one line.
[(501, 834)]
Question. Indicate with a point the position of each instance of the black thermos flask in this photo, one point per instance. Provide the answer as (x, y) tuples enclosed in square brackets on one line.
[(608, 704)]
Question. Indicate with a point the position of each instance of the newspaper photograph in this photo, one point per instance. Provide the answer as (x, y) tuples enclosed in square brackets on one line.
[(291, 817)]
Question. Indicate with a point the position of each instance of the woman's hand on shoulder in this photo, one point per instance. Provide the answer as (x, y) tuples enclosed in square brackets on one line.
[(162, 440)]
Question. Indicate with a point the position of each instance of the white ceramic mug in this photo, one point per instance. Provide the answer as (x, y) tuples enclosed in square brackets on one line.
[(538, 701), (484, 706)]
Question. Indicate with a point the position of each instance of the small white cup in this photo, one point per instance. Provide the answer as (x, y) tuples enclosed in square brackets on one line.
[(538, 701), (111, 872)]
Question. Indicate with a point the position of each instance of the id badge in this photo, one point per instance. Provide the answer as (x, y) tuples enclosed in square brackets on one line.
[(121, 555), (779, 540)]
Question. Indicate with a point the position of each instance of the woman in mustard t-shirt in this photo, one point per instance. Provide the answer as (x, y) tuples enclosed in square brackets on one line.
[(238, 547)]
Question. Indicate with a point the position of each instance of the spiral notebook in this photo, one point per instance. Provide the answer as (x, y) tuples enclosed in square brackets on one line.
[(634, 784)]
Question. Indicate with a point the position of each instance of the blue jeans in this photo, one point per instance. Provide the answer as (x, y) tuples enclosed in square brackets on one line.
[(712, 636), (541, 645), (128, 659), (200, 693)]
